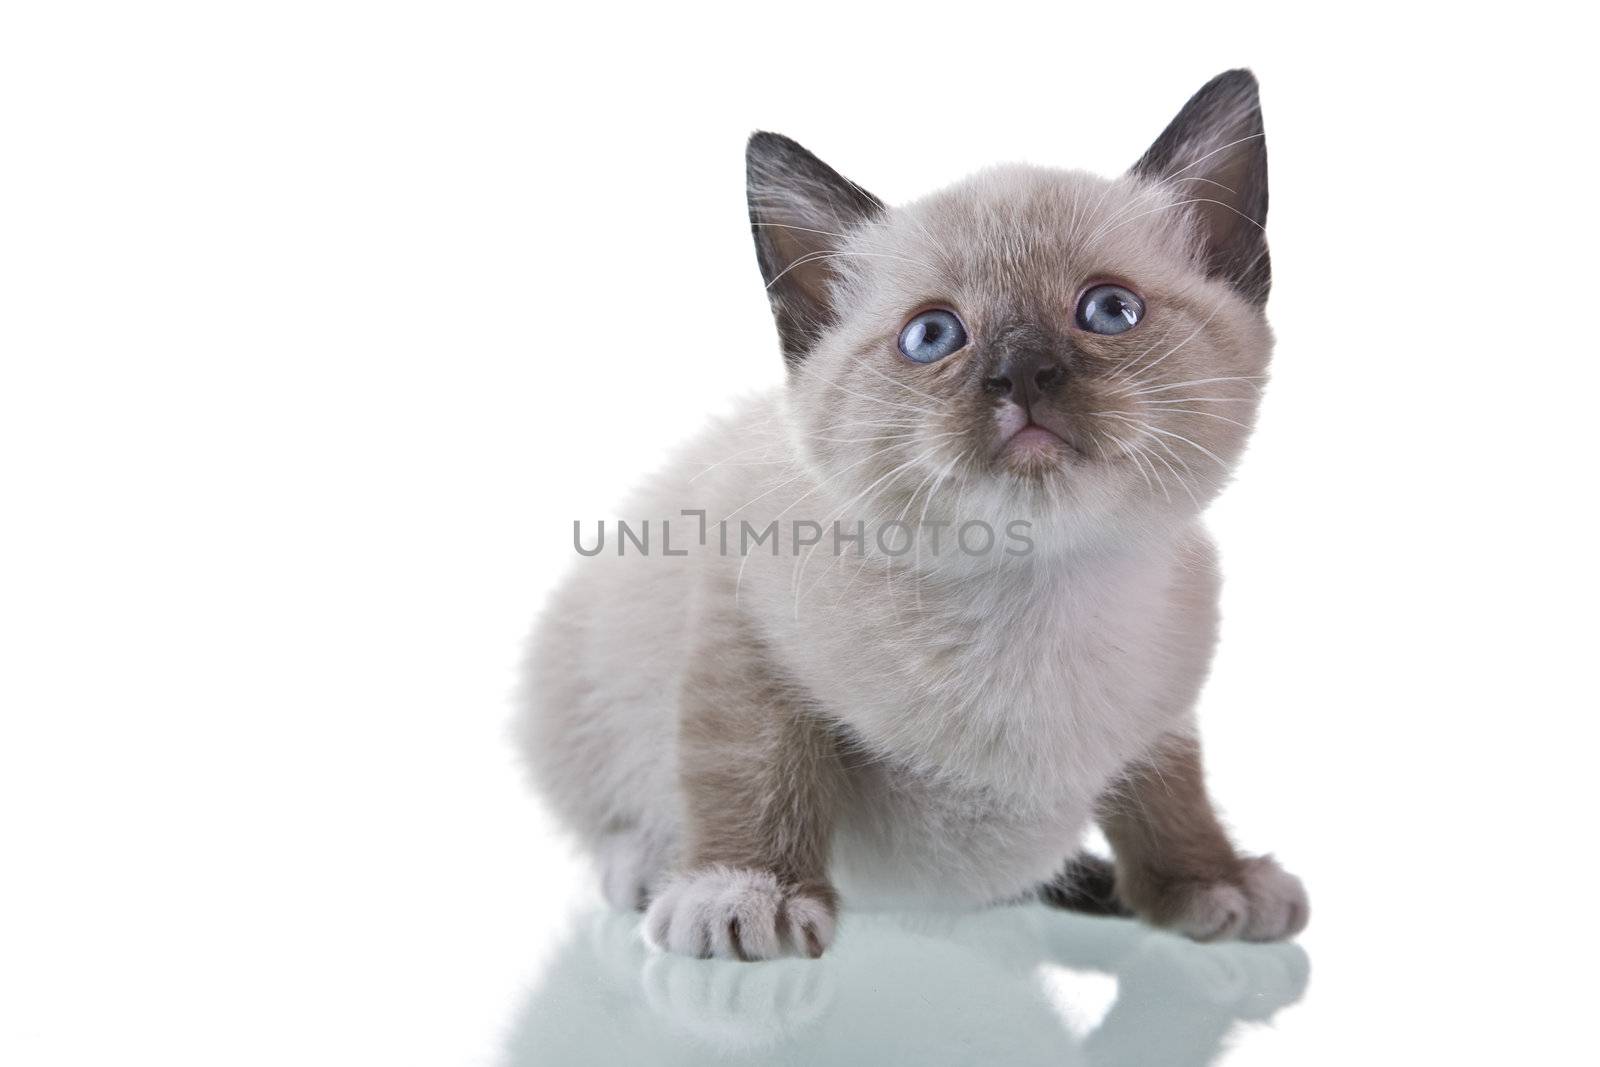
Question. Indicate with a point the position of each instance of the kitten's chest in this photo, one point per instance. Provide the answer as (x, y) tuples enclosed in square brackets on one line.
[(1040, 685), (981, 720)]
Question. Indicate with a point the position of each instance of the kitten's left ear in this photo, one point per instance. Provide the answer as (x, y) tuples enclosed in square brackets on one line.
[(800, 210), (1214, 155)]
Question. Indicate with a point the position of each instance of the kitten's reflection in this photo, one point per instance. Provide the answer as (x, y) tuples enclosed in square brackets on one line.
[(1007, 985)]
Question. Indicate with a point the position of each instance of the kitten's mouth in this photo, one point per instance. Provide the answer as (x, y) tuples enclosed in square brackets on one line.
[(1033, 437), (1035, 445), (1033, 442)]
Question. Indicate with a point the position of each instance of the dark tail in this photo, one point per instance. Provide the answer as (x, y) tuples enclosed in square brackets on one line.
[(1087, 884)]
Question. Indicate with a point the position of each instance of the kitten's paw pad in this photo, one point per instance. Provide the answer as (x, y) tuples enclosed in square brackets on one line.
[(741, 914), (1265, 903)]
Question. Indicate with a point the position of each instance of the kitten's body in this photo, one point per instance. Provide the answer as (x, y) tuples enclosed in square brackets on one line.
[(738, 734), (984, 795)]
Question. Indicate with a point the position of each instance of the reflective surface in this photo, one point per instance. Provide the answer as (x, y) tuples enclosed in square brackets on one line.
[(1020, 985)]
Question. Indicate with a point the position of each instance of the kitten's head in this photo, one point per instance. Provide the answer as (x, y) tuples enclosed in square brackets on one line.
[(1037, 344)]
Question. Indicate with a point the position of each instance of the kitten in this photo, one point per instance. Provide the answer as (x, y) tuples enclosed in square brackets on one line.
[(746, 730)]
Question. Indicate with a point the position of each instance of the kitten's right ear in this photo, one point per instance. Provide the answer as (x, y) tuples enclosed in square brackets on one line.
[(800, 210)]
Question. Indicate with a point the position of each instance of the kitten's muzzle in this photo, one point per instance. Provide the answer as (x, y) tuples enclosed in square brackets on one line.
[(1029, 381)]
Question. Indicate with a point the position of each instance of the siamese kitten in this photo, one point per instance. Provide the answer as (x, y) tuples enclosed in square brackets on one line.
[(748, 730)]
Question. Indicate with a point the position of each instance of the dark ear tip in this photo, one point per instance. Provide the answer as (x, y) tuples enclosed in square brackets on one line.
[(1239, 82), (764, 144)]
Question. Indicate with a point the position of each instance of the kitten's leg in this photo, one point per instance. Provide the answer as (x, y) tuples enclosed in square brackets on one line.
[(759, 776), (631, 862), (1175, 866)]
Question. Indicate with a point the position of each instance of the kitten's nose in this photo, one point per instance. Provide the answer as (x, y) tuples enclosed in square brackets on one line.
[(1039, 375)]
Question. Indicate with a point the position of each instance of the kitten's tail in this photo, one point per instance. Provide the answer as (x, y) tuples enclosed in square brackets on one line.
[(1087, 884)]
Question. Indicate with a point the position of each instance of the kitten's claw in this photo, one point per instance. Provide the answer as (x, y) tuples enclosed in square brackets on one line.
[(1266, 903), (741, 914)]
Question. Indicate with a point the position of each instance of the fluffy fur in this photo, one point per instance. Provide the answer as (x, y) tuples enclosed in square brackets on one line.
[(744, 739)]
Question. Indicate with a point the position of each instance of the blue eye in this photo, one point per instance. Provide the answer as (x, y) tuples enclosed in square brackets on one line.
[(932, 335), (1109, 309)]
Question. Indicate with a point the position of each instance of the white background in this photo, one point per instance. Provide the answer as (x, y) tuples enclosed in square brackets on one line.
[(322, 321)]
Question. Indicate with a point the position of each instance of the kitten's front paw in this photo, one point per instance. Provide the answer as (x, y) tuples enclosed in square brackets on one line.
[(1279, 907), (741, 914), (1265, 903)]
